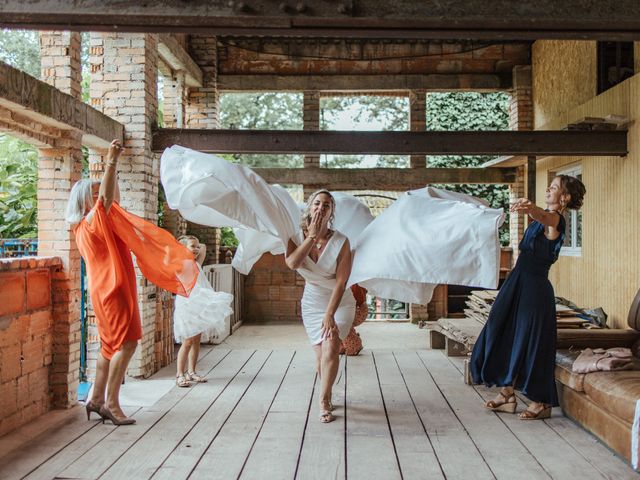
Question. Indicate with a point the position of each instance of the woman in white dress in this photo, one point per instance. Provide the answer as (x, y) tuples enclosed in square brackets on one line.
[(322, 256)]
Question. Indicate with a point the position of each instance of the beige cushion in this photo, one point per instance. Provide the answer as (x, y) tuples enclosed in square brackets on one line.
[(616, 392)]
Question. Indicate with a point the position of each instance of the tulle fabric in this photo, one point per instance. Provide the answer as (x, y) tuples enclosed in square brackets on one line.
[(204, 310)]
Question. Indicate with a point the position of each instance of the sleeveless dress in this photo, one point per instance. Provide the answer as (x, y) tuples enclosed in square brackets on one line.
[(320, 279), (203, 311), (517, 346), (106, 244)]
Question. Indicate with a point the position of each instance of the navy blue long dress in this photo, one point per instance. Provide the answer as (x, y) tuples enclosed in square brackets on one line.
[(517, 346)]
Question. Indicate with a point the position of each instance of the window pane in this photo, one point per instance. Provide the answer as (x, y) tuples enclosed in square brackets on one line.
[(568, 230), (579, 229)]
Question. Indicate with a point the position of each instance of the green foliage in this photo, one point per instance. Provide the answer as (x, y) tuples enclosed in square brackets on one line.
[(18, 188), (262, 111), (470, 111), (227, 237), (21, 49)]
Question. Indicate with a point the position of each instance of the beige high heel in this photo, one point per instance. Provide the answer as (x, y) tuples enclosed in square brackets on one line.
[(508, 406), (106, 414)]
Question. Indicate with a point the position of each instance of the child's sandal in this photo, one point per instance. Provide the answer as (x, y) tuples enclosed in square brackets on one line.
[(182, 381), (194, 377)]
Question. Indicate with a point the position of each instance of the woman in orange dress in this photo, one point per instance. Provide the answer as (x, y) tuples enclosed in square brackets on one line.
[(106, 236)]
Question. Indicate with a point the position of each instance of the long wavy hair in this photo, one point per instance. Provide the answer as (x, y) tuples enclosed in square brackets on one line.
[(305, 219)]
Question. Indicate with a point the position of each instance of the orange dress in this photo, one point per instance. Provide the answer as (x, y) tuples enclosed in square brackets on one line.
[(106, 244)]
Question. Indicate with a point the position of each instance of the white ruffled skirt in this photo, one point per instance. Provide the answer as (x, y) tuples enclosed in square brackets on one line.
[(204, 310)]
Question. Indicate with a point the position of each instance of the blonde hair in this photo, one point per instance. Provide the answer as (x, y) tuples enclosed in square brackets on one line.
[(306, 215), (80, 200), (186, 238)]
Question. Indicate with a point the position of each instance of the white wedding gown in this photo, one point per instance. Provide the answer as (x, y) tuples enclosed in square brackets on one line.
[(426, 237)]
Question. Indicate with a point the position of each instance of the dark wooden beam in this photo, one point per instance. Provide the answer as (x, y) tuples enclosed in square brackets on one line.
[(389, 179), (454, 19), (539, 143), (432, 82), (531, 178)]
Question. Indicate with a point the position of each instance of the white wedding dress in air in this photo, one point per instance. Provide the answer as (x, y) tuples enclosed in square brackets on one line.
[(426, 237)]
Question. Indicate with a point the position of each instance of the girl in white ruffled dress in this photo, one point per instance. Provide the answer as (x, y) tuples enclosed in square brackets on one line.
[(204, 310)]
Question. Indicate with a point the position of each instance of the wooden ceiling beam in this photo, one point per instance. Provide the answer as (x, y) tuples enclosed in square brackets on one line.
[(437, 19), (387, 179), (432, 82), (538, 143)]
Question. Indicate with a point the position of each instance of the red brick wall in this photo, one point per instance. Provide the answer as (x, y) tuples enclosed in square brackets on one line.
[(26, 339), (272, 292)]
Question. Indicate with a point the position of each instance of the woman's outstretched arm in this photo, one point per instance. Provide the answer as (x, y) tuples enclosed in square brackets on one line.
[(109, 185)]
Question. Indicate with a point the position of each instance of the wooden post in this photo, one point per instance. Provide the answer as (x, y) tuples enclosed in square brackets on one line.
[(531, 178)]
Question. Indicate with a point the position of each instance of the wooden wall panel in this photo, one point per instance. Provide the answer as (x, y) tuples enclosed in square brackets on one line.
[(564, 76), (608, 272)]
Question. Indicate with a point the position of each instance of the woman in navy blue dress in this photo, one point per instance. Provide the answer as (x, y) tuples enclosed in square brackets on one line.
[(517, 346)]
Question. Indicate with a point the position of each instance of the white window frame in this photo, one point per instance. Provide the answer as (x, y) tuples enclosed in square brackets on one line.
[(573, 250)]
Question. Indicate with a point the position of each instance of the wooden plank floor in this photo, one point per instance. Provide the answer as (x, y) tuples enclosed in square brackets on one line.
[(401, 414)]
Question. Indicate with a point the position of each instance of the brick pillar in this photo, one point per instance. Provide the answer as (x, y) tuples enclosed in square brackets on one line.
[(174, 92), (124, 86), (520, 118), (418, 122), (201, 111), (311, 121), (58, 169), (60, 61), (202, 105), (173, 222)]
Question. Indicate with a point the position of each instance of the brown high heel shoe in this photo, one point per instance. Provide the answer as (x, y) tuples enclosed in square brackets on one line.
[(541, 415), (92, 407), (107, 415), (508, 406)]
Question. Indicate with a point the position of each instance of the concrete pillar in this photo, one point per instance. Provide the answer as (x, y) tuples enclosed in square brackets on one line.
[(58, 169)]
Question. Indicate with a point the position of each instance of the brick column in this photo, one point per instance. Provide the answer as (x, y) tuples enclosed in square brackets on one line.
[(520, 118), (201, 111), (124, 86), (418, 122), (58, 169), (174, 92), (311, 121)]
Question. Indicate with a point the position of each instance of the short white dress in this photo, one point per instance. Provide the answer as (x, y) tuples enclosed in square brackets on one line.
[(204, 310), (320, 279)]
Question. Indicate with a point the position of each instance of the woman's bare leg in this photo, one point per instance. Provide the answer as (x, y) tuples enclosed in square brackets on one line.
[(117, 369), (329, 363), (100, 383)]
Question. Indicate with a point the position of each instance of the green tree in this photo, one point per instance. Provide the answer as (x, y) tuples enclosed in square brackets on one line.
[(262, 111), (18, 188), (21, 49)]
